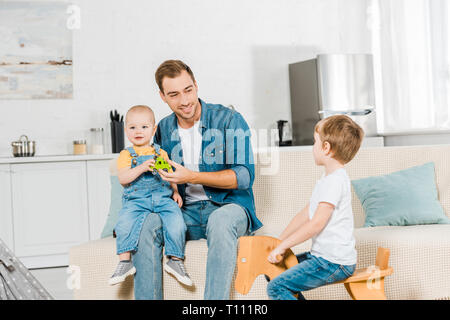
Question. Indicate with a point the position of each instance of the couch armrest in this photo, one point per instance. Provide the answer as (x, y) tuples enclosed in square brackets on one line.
[(96, 261)]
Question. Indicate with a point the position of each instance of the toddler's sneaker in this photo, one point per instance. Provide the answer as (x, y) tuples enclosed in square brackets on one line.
[(177, 269), (123, 270)]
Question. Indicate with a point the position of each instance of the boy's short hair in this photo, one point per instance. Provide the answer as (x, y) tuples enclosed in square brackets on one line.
[(141, 107), (343, 134), (171, 69)]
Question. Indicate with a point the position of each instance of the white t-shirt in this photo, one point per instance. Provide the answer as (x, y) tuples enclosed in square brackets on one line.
[(335, 242), (191, 142)]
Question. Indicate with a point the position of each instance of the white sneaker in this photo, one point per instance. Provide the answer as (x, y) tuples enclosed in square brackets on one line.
[(177, 269), (123, 270)]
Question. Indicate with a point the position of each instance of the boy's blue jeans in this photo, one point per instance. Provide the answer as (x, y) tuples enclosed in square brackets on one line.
[(311, 272), (220, 225)]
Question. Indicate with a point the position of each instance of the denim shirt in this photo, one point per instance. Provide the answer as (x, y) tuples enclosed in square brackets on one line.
[(225, 145)]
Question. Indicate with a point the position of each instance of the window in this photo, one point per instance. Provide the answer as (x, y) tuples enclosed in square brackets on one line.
[(411, 50)]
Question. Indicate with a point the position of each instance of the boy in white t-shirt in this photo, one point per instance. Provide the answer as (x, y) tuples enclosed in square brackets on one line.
[(327, 219)]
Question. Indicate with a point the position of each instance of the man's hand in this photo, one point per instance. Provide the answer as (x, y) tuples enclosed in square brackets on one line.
[(177, 198), (180, 176), (224, 179), (274, 256)]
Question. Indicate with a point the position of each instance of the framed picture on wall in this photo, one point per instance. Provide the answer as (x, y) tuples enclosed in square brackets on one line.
[(35, 51)]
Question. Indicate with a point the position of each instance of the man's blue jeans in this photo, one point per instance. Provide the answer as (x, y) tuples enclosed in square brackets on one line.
[(220, 225), (310, 272)]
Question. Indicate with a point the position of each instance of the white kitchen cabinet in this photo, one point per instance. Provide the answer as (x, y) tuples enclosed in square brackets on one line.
[(99, 195), (49, 204), (50, 207), (6, 218)]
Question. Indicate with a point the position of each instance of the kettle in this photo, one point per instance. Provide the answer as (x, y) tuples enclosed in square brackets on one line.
[(23, 148), (284, 133)]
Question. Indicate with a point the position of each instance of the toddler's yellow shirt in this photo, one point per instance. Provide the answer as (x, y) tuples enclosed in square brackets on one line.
[(124, 159)]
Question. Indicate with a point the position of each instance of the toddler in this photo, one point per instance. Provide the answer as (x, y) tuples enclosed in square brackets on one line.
[(327, 218), (145, 192)]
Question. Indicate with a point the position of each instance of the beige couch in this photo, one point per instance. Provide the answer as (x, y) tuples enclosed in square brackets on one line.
[(420, 255)]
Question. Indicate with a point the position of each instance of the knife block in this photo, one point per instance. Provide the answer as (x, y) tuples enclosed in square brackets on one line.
[(117, 136)]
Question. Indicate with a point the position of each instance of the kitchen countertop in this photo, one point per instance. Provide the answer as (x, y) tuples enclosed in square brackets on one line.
[(53, 158), (71, 157)]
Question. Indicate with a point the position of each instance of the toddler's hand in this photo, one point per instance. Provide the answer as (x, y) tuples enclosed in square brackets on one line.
[(146, 165), (274, 256), (177, 198)]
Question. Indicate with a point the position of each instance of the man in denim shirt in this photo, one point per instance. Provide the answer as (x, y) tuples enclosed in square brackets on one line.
[(210, 150)]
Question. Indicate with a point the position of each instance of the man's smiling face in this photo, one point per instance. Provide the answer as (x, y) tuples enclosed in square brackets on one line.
[(180, 93)]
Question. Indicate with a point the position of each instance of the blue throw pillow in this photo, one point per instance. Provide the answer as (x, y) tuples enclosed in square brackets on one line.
[(114, 207), (406, 197)]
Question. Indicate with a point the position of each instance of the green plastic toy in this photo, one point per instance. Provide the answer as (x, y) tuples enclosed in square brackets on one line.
[(160, 163)]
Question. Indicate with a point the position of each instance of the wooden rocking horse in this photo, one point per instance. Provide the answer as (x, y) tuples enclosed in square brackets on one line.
[(252, 262)]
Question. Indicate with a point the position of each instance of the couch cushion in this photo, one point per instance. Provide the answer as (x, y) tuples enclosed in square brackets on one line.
[(405, 197)]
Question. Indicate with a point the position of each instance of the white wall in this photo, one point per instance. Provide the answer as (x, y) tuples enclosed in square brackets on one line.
[(238, 50)]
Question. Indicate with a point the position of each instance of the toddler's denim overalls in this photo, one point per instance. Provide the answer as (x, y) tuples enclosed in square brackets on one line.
[(149, 193)]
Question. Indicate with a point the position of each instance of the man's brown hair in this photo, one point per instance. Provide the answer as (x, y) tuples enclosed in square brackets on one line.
[(343, 134), (171, 69)]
